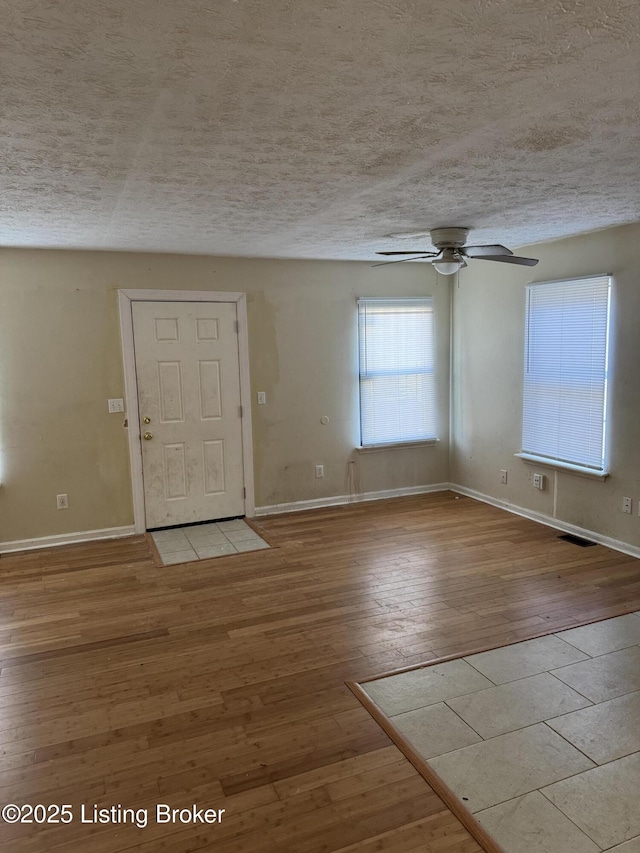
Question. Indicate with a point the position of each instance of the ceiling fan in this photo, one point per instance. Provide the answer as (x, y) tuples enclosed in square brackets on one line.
[(452, 252)]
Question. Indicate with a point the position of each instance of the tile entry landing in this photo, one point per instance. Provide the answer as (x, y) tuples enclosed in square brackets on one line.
[(203, 541)]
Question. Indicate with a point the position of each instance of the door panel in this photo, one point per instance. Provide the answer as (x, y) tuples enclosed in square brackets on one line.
[(174, 469), (213, 455), (188, 374), (170, 392), (210, 396)]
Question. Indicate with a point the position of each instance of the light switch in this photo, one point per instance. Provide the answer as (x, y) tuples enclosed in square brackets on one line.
[(262, 398), (116, 406)]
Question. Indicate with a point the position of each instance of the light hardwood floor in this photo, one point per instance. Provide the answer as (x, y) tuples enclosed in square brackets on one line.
[(222, 682)]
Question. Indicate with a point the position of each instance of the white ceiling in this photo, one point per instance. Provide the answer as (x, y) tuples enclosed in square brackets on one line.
[(313, 129)]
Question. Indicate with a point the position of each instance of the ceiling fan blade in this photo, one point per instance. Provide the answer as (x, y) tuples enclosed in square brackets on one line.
[(402, 260), (417, 252), (485, 251), (508, 259)]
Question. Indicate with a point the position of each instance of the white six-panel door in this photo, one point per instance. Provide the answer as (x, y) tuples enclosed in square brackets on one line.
[(187, 369)]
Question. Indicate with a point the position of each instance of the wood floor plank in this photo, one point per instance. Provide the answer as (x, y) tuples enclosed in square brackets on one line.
[(222, 682)]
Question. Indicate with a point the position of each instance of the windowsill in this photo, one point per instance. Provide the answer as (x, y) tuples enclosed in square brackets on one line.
[(530, 459), (375, 448)]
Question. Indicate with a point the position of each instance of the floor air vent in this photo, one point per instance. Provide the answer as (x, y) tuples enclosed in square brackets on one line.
[(576, 540)]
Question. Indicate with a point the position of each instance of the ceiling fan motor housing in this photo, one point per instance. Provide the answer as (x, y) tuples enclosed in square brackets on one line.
[(454, 238)]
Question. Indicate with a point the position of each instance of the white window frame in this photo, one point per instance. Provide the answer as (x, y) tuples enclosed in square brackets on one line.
[(397, 442), (529, 454)]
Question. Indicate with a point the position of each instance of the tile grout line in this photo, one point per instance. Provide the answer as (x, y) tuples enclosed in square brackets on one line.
[(482, 673), (570, 819), (595, 705), (557, 808), (575, 690), (577, 748), (446, 702)]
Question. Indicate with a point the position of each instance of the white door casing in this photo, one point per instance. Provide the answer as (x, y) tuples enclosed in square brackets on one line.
[(189, 368)]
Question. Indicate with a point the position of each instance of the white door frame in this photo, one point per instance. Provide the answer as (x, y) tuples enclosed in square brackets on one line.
[(125, 300)]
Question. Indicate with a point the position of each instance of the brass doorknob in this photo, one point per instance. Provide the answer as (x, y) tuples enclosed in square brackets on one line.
[(146, 420), (147, 436)]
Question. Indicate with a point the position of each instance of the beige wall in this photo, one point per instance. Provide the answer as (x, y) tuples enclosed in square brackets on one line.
[(60, 360), (488, 377)]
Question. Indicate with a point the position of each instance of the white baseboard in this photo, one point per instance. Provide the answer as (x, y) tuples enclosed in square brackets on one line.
[(607, 541), (66, 539), (338, 500)]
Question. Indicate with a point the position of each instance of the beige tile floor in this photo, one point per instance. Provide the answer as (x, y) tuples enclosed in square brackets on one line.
[(202, 541), (540, 740)]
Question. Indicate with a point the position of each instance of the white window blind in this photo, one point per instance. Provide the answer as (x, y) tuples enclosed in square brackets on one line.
[(565, 371), (397, 378)]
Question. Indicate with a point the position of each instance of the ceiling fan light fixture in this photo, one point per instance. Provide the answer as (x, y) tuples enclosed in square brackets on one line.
[(448, 264), (452, 251)]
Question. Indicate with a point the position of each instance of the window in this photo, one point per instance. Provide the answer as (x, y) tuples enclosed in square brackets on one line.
[(397, 379), (565, 372)]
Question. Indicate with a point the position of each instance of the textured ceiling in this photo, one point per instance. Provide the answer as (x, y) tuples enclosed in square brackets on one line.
[(313, 129)]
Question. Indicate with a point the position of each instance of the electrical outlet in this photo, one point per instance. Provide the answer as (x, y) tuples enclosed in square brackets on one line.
[(503, 476), (319, 471), (62, 501), (262, 398), (626, 505), (538, 481), (116, 405)]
